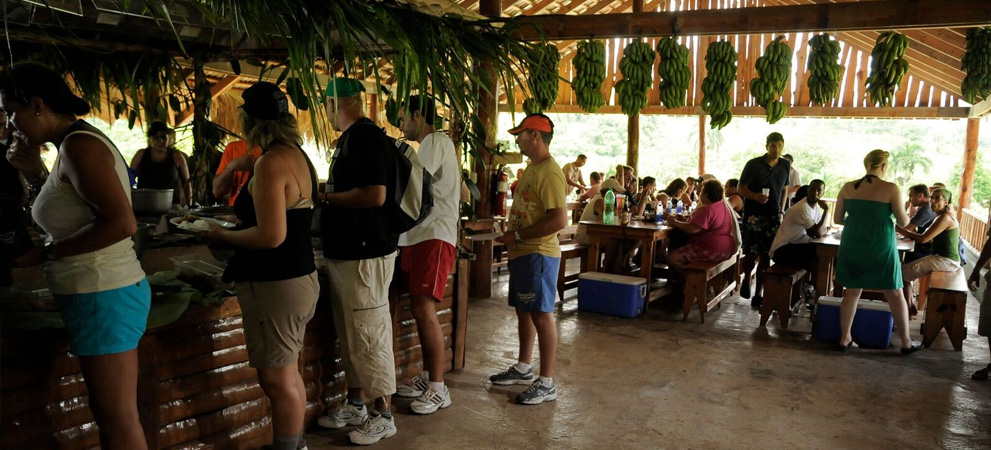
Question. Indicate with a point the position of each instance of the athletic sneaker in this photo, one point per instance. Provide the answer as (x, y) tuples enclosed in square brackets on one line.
[(537, 394), (416, 387), (431, 401), (344, 415), (302, 445), (376, 428), (512, 376)]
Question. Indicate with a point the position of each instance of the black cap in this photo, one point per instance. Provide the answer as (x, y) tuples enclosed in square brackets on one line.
[(265, 101)]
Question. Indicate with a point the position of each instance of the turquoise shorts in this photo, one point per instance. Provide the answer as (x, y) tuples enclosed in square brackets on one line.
[(106, 322)]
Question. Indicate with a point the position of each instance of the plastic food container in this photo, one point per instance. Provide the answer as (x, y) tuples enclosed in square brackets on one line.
[(202, 271)]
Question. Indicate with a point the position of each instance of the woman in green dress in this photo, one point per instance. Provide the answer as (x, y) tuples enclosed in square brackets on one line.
[(868, 257)]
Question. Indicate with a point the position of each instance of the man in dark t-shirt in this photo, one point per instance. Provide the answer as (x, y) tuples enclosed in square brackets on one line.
[(918, 196), (360, 257), (761, 186)]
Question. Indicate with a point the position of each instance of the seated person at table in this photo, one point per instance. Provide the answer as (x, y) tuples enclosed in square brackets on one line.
[(645, 196), (673, 192), (691, 191), (804, 221), (617, 251), (592, 190), (735, 200), (710, 229), (922, 218), (943, 233)]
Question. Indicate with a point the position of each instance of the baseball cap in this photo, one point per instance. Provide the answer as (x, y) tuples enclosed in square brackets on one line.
[(537, 122), (265, 101), (612, 184), (343, 87)]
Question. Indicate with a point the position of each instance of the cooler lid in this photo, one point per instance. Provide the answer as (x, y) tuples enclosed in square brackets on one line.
[(612, 278), (874, 305)]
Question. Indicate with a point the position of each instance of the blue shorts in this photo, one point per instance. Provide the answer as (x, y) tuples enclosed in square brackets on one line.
[(533, 282), (106, 322)]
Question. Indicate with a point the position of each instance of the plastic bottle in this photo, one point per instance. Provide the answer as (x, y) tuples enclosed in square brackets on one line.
[(660, 214), (670, 207), (609, 213), (624, 215), (680, 208)]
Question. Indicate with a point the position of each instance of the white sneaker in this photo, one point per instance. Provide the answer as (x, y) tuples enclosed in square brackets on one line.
[(416, 387), (431, 401), (344, 415), (375, 429)]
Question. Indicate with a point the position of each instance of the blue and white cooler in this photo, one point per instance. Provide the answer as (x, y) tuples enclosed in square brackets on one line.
[(615, 295), (872, 325)]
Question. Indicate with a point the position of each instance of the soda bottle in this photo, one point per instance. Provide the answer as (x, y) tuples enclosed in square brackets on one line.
[(609, 213), (624, 215)]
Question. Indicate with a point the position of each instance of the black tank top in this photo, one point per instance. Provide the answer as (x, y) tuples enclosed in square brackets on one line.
[(160, 175), (292, 258)]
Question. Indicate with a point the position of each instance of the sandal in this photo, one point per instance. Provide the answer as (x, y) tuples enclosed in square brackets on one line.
[(983, 374), (911, 349)]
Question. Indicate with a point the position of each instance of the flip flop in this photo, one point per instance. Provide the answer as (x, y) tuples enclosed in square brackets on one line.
[(983, 374)]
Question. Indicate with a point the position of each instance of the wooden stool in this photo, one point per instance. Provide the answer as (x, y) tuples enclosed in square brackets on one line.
[(700, 276), (781, 289), (565, 282), (946, 308)]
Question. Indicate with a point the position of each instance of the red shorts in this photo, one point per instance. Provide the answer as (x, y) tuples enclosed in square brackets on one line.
[(433, 262)]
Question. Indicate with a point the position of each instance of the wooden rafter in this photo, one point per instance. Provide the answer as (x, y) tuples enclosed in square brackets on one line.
[(218, 89)]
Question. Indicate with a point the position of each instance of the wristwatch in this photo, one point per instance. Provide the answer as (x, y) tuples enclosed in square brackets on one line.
[(47, 250), (518, 238)]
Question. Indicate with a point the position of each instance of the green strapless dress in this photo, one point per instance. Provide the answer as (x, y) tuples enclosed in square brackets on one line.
[(868, 257)]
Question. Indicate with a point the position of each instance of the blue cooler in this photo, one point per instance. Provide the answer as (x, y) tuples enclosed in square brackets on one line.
[(872, 325), (615, 295)]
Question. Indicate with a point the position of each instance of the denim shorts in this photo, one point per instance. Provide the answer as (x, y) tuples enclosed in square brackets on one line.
[(106, 322), (533, 282)]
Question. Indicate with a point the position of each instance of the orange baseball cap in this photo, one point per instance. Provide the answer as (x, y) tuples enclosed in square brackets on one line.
[(537, 122)]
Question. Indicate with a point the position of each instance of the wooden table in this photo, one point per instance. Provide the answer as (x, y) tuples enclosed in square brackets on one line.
[(827, 249), (647, 233)]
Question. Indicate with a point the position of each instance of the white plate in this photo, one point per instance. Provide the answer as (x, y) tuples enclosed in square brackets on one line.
[(484, 237), (198, 225)]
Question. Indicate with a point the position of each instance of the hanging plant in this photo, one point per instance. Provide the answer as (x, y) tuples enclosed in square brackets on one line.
[(976, 86), (590, 71), (888, 67), (674, 72), (636, 66), (720, 63), (773, 70), (824, 69)]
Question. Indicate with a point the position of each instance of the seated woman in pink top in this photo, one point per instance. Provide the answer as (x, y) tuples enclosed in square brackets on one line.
[(710, 229)]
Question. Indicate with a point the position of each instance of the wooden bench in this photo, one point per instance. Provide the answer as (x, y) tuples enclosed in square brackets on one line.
[(699, 277), (946, 308), (782, 287), (567, 234), (564, 281)]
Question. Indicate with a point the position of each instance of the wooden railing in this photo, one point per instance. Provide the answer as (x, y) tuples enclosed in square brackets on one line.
[(973, 228)]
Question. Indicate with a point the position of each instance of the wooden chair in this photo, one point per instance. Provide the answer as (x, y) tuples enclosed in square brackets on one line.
[(565, 281), (699, 277), (782, 288), (946, 308)]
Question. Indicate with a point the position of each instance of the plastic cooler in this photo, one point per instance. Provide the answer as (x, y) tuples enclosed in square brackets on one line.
[(871, 326), (615, 295)]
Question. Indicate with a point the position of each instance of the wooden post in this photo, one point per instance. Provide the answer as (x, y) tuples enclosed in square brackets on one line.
[(373, 108), (701, 144), (488, 114), (969, 166), (637, 6), (201, 176), (633, 143)]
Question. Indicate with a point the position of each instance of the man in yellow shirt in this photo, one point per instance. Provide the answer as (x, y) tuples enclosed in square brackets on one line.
[(539, 212)]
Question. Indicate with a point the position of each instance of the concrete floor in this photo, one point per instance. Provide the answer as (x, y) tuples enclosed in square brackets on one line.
[(657, 382)]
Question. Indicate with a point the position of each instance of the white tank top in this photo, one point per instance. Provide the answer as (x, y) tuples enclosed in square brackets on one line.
[(61, 212), (588, 214)]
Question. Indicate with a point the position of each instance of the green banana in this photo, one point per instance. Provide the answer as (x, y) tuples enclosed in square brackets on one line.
[(721, 65), (888, 67), (543, 79), (773, 72), (976, 62), (636, 66), (590, 71)]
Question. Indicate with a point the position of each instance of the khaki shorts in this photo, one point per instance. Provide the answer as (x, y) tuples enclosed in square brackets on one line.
[(274, 316), (359, 293), (924, 266)]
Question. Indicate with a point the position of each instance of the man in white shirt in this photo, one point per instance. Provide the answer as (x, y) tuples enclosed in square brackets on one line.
[(427, 252), (805, 221), (573, 175), (596, 178), (794, 182)]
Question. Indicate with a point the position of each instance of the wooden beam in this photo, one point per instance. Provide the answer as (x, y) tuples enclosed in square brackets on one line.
[(216, 90), (969, 166), (702, 128), (633, 142), (876, 15), (793, 112), (981, 109)]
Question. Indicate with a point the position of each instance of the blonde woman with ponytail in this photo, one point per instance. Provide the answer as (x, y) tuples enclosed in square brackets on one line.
[(868, 256)]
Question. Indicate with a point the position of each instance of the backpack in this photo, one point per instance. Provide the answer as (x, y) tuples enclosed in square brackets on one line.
[(409, 199)]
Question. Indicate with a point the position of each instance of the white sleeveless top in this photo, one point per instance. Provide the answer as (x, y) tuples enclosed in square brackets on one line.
[(61, 212), (588, 214)]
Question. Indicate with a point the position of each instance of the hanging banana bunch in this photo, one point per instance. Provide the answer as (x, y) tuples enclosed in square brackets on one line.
[(976, 62), (720, 62), (773, 70), (674, 72), (590, 71), (824, 69), (888, 67), (636, 65), (543, 79)]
